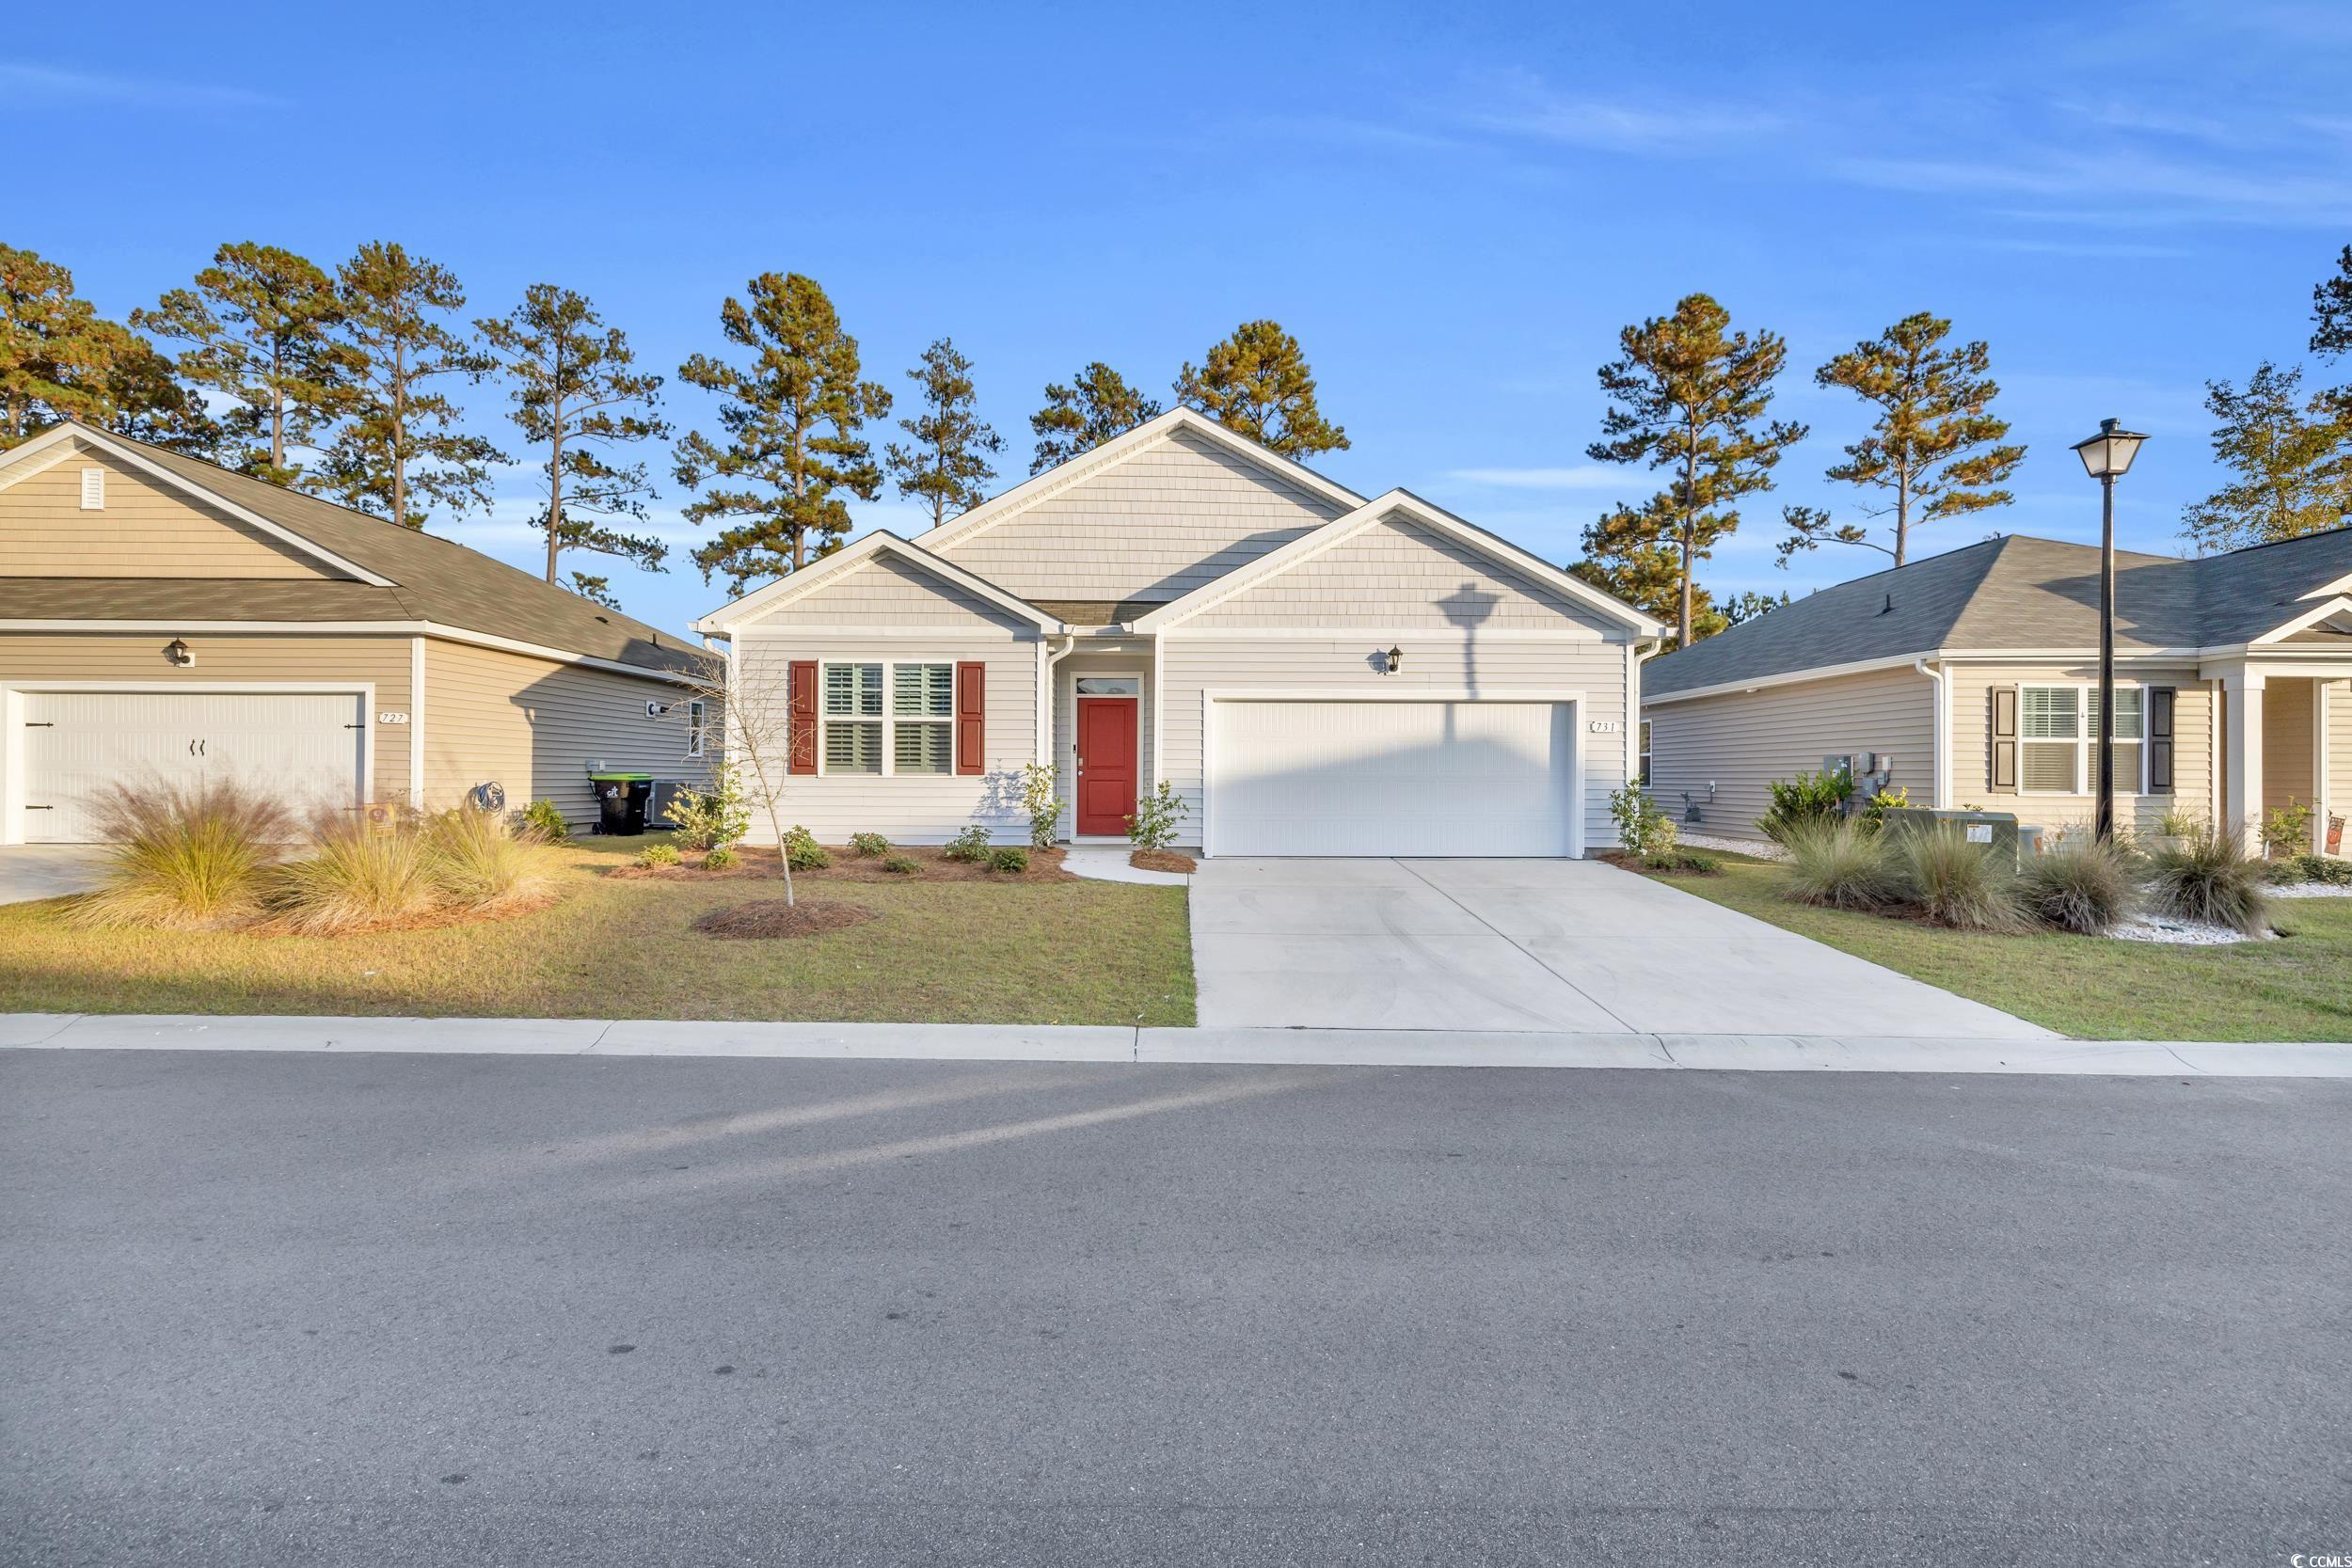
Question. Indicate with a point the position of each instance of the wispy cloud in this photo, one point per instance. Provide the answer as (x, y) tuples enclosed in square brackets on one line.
[(30, 84), (2119, 181), (1520, 103), (1587, 476), (2121, 249)]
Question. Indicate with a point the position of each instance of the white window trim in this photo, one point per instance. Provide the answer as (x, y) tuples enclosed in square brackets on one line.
[(2085, 742), (697, 727), (887, 720)]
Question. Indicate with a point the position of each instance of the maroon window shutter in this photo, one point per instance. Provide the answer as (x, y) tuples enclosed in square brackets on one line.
[(2160, 739), (2003, 702), (971, 717), (800, 728)]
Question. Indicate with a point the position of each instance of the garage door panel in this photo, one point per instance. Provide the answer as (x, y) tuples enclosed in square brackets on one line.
[(1391, 778), (304, 748)]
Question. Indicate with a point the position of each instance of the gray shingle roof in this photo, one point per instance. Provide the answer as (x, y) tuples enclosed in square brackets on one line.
[(435, 579), (2016, 592)]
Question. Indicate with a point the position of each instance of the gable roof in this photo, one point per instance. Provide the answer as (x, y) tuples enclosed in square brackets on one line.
[(761, 600), (399, 575), (1367, 515), (1117, 449), (2016, 593)]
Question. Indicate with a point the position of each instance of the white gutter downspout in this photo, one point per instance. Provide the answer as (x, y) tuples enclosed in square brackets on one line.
[(1939, 765), (1636, 655)]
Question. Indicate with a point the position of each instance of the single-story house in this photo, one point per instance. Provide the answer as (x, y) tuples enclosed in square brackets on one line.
[(1310, 672), (162, 617), (1973, 675)]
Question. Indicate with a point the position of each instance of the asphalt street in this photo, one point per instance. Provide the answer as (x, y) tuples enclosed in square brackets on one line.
[(477, 1310)]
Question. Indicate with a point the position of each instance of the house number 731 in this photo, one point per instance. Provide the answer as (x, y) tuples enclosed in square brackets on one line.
[(1604, 727)]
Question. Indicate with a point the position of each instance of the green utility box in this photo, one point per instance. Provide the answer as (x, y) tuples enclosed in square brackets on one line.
[(1996, 830)]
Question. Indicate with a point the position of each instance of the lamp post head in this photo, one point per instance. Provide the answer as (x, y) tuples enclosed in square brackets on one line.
[(2109, 454)]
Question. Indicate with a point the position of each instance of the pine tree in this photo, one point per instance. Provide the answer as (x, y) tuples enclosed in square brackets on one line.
[(948, 464), (60, 360), (1257, 383), (400, 451), (1688, 397), (2291, 459), (1096, 406), (1751, 606), (261, 322), (578, 394), (1934, 444), (791, 419), (2331, 324), (1625, 557)]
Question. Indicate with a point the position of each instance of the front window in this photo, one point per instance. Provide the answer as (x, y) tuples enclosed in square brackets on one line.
[(2058, 735), (852, 719), (922, 718), (889, 719)]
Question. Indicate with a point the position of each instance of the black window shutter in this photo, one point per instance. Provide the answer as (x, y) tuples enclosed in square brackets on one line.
[(2001, 702), (2160, 739)]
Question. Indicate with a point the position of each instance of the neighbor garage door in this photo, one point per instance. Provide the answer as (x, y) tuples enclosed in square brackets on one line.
[(1391, 778), (303, 748)]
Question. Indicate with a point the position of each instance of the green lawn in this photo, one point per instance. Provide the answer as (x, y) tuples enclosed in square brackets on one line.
[(936, 952), (2298, 987)]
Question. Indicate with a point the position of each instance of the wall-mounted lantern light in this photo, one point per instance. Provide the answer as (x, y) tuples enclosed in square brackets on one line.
[(1396, 660), (179, 653)]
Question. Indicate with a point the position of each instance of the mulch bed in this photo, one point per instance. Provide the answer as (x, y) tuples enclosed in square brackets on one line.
[(1162, 859), (1044, 867), (1624, 861), (764, 918)]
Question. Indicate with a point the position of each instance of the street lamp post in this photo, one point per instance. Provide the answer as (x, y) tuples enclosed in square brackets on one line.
[(2108, 457)]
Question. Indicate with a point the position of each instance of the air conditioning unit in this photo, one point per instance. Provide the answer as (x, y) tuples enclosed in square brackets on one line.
[(657, 808)]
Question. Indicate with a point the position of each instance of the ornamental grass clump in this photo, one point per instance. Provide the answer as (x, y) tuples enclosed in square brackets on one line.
[(182, 856), (352, 876), (1968, 887), (1836, 863), (2207, 877), (477, 862), (2082, 885)]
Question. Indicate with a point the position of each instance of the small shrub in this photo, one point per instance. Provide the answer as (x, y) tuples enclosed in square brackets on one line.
[(801, 852), (2083, 885), (901, 865), (865, 845), (715, 817), (1874, 810), (1807, 798), (182, 856), (2207, 877), (1040, 797), (1681, 859), (1836, 863), (353, 877), (477, 862), (543, 819), (721, 859), (2287, 829), (2180, 822), (1959, 884), (658, 854), (2311, 868), (1009, 856), (1157, 817), (969, 844), (1641, 827)]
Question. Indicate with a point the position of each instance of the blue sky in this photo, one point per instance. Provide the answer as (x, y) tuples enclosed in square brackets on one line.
[(1453, 207)]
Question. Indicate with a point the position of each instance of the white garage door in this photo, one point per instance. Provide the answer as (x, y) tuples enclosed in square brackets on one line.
[(304, 747), (1391, 778)]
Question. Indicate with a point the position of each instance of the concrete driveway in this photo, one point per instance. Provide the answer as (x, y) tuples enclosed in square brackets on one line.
[(29, 871), (1549, 944)]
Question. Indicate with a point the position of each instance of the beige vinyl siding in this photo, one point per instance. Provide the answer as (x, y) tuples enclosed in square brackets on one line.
[(1417, 577), (2337, 696), (534, 727), (1192, 667), (146, 530), (909, 808), (1155, 525), (1739, 743), (137, 659), (1972, 746), (1066, 675), (2290, 754), (887, 592)]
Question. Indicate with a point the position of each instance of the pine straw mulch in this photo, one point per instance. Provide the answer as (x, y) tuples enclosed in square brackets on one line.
[(1162, 859), (1624, 861), (1044, 867), (764, 918)]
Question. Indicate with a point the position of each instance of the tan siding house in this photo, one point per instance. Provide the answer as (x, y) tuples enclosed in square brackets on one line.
[(160, 617), (2248, 654), (1307, 672)]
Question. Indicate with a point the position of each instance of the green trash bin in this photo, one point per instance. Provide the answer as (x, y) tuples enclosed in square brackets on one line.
[(621, 802)]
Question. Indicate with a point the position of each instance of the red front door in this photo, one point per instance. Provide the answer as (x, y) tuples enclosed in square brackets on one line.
[(1106, 764)]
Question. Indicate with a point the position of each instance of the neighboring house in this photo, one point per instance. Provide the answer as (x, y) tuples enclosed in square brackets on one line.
[(1977, 672), (1313, 672), (160, 616)]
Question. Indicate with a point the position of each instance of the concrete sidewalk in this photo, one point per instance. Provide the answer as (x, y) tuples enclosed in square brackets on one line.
[(1231, 1047)]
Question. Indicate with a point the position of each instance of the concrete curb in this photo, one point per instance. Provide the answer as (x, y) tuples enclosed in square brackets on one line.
[(1173, 1047)]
